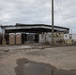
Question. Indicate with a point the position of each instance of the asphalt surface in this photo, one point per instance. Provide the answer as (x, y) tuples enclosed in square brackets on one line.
[(26, 67), (47, 61)]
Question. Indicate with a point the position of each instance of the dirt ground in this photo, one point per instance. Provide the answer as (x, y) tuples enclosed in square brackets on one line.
[(61, 59)]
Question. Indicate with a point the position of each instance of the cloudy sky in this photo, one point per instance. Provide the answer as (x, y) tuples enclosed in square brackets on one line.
[(38, 11)]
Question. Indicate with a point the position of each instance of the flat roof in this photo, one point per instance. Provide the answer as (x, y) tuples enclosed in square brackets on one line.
[(33, 28), (27, 25)]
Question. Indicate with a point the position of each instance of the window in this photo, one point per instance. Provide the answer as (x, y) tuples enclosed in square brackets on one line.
[(65, 35), (70, 37)]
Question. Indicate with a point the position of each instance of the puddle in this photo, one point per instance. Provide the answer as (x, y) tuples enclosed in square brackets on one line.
[(27, 67)]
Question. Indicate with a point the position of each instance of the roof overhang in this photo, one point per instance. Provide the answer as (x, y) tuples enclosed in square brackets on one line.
[(35, 27)]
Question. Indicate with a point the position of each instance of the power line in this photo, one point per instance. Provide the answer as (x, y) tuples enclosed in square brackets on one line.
[(62, 14), (29, 7)]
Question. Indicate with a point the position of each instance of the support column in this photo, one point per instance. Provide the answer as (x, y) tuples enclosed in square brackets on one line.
[(53, 22), (3, 39)]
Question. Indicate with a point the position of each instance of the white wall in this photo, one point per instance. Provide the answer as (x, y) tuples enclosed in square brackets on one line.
[(48, 37), (45, 38), (41, 38), (66, 36)]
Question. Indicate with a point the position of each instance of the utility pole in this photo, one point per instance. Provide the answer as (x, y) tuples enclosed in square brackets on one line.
[(53, 22)]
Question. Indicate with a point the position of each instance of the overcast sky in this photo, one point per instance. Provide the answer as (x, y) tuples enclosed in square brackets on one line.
[(39, 12)]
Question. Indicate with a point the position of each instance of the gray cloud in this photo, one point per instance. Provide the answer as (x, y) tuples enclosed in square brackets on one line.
[(32, 11)]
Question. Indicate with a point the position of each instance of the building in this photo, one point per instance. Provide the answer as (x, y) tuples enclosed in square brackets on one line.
[(70, 38), (32, 33)]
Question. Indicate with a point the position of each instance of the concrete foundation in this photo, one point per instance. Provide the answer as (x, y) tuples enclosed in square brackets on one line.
[(3, 42)]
